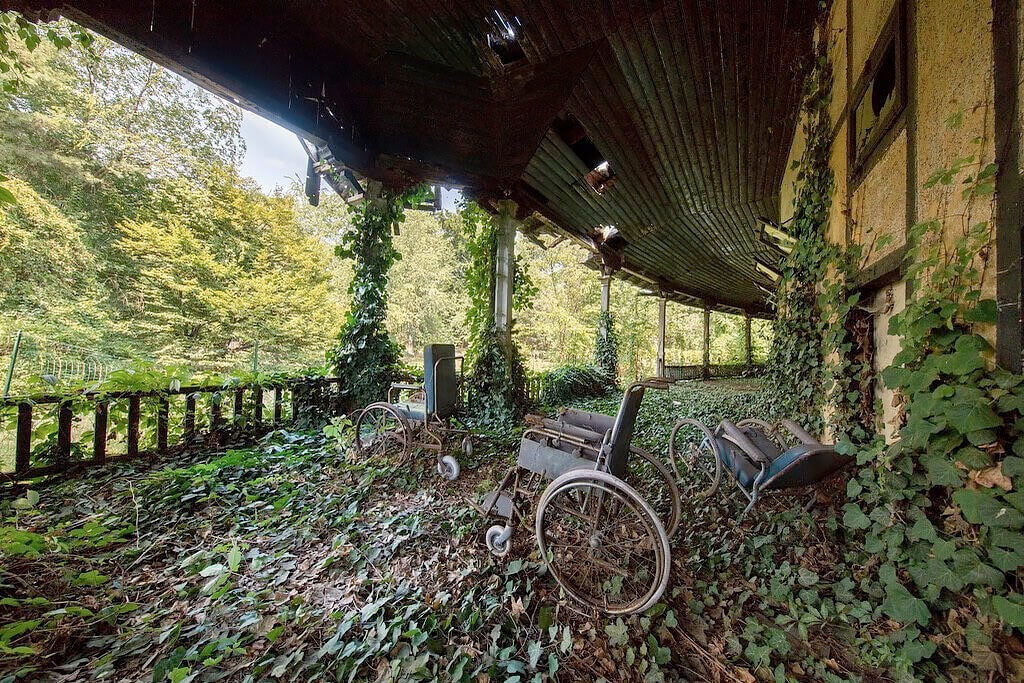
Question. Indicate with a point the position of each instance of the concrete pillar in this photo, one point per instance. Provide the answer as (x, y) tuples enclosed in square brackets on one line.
[(707, 343), (659, 363), (749, 347), (504, 265), (606, 297)]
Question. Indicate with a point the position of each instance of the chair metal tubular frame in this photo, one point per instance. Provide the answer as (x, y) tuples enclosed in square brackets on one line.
[(798, 458)]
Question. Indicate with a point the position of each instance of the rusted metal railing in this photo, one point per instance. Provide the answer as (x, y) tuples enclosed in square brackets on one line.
[(720, 371)]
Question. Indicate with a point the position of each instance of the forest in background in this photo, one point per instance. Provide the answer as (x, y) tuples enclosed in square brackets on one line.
[(134, 237)]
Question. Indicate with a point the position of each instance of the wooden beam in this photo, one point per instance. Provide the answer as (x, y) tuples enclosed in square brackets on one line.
[(134, 410), (1006, 28), (23, 440), (99, 433), (746, 335)]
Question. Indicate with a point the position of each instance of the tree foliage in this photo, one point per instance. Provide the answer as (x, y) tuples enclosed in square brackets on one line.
[(134, 234)]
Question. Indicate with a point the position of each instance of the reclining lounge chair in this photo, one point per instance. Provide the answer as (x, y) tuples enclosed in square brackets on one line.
[(758, 457)]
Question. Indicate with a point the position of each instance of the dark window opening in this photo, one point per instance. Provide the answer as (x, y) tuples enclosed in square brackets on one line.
[(601, 176), (504, 39), (879, 96), (883, 89)]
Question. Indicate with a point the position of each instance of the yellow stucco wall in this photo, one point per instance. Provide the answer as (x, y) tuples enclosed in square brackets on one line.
[(879, 204), (868, 20), (955, 76)]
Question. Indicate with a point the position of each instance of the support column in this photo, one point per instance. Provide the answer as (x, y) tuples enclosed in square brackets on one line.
[(707, 343), (504, 266), (659, 363), (606, 296), (749, 347)]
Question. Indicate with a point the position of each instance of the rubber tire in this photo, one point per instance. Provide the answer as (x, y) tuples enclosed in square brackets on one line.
[(498, 550), (609, 480), (672, 523), (448, 467)]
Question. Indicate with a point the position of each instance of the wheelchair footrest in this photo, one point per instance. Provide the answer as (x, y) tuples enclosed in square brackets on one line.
[(501, 502)]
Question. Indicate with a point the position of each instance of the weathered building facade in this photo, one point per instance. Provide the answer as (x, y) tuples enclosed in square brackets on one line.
[(920, 87)]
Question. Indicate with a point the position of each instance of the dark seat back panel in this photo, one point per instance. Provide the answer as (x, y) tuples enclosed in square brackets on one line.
[(622, 430), (547, 461), (737, 462), (442, 386), (595, 422)]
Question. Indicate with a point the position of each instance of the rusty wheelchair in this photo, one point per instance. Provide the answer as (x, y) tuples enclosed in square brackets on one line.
[(426, 419), (604, 522)]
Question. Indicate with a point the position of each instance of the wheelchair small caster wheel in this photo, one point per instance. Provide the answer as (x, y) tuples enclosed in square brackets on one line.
[(499, 539), (467, 447), (448, 467)]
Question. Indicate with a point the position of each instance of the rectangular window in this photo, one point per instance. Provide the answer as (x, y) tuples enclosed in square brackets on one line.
[(880, 95)]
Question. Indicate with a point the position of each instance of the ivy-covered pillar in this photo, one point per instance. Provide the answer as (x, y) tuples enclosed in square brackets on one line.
[(659, 363), (606, 296), (606, 352), (366, 358), (504, 266), (747, 341), (707, 342)]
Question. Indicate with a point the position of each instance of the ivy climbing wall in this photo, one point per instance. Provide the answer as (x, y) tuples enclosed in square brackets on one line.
[(941, 124)]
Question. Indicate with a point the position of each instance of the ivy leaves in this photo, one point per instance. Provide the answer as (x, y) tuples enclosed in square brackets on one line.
[(366, 358)]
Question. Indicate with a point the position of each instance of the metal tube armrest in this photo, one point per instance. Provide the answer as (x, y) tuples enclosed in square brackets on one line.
[(736, 435), (800, 433)]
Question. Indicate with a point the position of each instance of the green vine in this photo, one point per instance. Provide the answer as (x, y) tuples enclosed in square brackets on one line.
[(797, 361), (366, 358), (606, 346), (941, 509), (813, 363)]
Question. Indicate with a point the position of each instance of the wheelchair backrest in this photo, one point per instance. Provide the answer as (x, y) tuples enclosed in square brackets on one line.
[(440, 384), (622, 430)]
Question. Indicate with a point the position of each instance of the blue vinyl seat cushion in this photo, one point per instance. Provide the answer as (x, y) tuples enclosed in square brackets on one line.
[(819, 464)]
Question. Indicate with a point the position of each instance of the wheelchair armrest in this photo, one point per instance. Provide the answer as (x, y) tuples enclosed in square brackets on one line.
[(736, 435), (799, 432), (400, 387), (556, 428)]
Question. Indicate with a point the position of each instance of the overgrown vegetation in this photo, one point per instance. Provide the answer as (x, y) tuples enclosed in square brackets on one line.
[(497, 378), (366, 358), (606, 346), (291, 562), (571, 382), (938, 510)]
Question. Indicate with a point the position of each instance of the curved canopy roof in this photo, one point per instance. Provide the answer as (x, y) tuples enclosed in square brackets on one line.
[(657, 131)]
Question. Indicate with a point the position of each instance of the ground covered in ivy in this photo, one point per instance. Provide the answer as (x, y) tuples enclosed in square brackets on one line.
[(292, 561)]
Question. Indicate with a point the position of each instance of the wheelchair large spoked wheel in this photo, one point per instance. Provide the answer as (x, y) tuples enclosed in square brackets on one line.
[(693, 444), (382, 430), (655, 483), (602, 542)]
